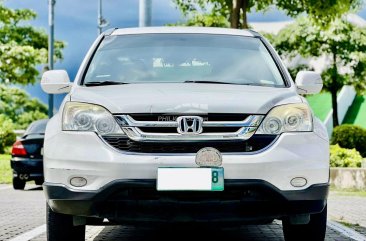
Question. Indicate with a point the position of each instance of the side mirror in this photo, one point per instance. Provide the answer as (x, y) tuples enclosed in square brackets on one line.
[(308, 82), (56, 82)]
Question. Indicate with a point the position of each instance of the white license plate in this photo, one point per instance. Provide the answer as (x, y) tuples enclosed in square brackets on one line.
[(190, 179)]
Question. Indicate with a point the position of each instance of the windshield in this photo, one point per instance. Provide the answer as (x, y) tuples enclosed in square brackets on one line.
[(179, 58)]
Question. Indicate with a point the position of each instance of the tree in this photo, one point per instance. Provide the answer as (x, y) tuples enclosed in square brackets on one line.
[(234, 12), (342, 43), (19, 108), (7, 135), (22, 47)]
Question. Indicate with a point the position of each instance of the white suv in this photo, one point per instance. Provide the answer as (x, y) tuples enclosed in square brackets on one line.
[(178, 124)]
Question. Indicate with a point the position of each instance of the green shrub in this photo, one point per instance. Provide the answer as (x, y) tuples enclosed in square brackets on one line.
[(7, 135), (342, 157), (350, 136)]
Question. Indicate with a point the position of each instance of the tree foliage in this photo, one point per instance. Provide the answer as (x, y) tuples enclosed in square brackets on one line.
[(226, 12), (342, 43), (18, 107), (233, 13), (22, 47), (7, 135)]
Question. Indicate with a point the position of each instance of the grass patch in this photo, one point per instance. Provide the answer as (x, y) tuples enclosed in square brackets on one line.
[(356, 114), (348, 225), (321, 104), (347, 192), (355, 226), (5, 170)]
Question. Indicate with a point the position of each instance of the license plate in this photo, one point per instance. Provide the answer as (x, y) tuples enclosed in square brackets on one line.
[(190, 179)]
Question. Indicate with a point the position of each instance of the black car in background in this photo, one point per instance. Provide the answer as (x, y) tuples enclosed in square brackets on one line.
[(27, 156)]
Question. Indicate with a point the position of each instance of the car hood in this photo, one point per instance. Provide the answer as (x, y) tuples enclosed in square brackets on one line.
[(185, 98)]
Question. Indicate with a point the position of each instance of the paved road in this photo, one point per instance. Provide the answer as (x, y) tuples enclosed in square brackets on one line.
[(351, 209), (22, 217)]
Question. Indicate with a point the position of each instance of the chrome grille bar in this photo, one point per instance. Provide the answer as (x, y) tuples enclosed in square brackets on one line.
[(137, 135), (132, 129), (128, 121)]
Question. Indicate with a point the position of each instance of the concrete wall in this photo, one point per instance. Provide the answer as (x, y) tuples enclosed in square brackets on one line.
[(344, 99), (350, 178)]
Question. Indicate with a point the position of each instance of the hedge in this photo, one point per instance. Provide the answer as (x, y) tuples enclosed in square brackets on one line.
[(350, 136), (342, 157)]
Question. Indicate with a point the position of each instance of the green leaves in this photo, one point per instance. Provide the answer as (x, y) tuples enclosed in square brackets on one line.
[(22, 47), (320, 13), (13, 17), (7, 135), (342, 157), (212, 13), (18, 63), (342, 43), (18, 107), (350, 136), (205, 20)]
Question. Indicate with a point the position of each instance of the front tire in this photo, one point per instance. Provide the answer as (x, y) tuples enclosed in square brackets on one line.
[(60, 227), (314, 230), (18, 184)]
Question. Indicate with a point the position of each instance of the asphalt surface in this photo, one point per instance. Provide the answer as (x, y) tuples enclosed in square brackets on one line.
[(22, 217)]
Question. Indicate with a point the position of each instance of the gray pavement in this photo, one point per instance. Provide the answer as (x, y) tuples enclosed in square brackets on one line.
[(22, 212), (350, 209)]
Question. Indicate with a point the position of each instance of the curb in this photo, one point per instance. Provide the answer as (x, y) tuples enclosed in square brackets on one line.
[(346, 231)]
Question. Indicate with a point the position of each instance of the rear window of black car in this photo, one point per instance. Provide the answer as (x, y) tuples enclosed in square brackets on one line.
[(36, 128)]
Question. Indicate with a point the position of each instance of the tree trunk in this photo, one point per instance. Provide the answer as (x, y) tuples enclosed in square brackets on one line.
[(235, 16), (334, 91), (335, 107), (244, 7)]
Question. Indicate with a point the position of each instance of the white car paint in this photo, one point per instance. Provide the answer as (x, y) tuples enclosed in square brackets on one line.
[(186, 98), (287, 158), (68, 154)]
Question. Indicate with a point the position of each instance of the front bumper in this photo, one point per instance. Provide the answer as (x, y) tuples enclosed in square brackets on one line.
[(32, 167), (137, 201), (85, 154)]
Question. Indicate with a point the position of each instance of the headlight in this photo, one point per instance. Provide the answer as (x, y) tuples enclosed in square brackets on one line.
[(88, 117), (287, 118)]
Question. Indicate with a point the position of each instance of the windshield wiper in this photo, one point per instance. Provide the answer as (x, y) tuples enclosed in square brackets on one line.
[(107, 82), (221, 82), (209, 82)]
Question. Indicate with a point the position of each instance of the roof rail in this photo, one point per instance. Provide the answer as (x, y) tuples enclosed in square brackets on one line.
[(109, 31), (255, 33)]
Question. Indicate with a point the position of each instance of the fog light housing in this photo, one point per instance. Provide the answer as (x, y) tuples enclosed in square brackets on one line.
[(298, 182), (78, 181)]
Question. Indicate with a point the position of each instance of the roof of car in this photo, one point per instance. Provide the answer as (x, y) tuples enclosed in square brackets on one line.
[(38, 126), (202, 30)]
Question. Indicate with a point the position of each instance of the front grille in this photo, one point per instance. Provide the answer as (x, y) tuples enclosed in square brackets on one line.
[(188, 127), (255, 143), (237, 203), (249, 192)]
